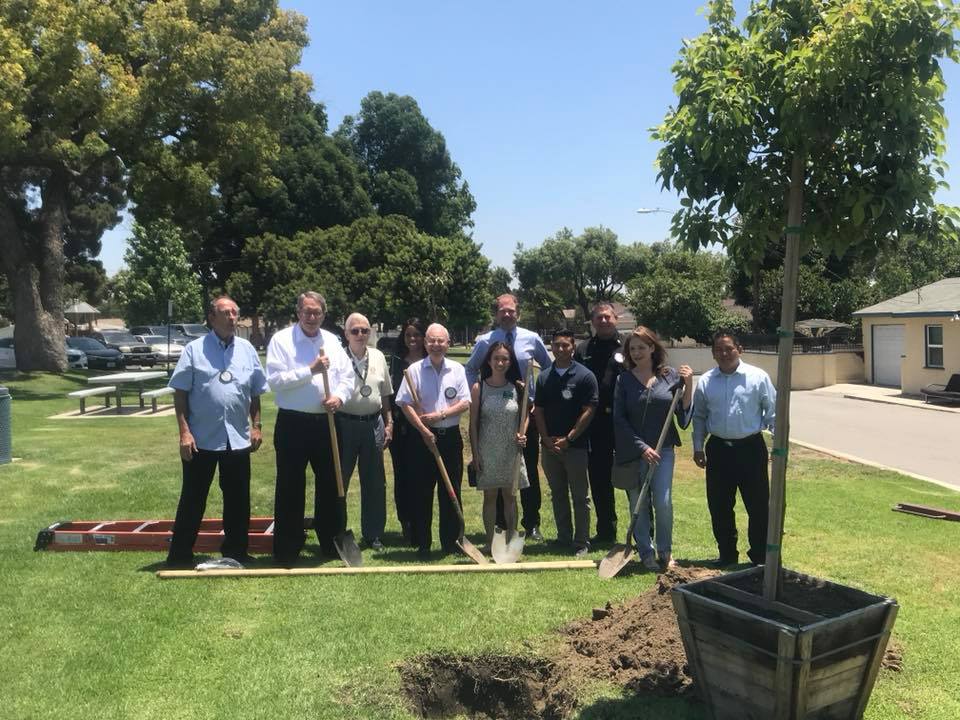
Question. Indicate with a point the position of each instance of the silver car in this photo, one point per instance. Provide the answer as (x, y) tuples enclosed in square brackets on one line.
[(76, 359), (163, 351)]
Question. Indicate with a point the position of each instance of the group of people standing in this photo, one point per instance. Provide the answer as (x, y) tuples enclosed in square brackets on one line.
[(596, 410)]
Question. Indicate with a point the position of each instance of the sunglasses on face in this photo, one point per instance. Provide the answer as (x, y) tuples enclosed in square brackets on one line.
[(359, 331)]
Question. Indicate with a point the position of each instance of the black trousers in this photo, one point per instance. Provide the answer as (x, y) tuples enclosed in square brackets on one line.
[(600, 466), (427, 478), (234, 483), (530, 497), (302, 438), (731, 466), (405, 440)]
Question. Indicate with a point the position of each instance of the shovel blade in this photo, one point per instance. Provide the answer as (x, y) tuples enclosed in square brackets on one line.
[(506, 551), (471, 551), (615, 561), (347, 548)]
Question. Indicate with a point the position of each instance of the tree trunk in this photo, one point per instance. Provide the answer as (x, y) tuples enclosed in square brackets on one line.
[(36, 286), (781, 436)]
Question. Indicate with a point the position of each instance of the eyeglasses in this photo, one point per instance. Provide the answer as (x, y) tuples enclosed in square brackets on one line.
[(359, 331)]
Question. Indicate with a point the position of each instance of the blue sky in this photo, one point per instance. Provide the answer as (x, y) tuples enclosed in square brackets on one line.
[(545, 106)]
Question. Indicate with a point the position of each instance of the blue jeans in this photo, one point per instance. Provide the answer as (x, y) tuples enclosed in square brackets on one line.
[(661, 490)]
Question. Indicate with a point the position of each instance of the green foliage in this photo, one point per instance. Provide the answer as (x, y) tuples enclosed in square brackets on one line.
[(853, 89), (157, 103), (409, 169), (500, 279), (158, 270), (579, 270), (380, 266), (681, 294)]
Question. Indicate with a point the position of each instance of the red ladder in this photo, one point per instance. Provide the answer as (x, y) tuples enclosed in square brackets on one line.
[(148, 535)]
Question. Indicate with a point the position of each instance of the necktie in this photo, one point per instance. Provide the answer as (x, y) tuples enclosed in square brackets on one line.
[(509, 338)]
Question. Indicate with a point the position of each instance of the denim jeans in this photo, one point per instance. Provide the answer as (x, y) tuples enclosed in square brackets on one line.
[(661, 491)]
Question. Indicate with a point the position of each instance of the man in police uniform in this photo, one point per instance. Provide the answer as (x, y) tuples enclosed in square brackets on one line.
[(602, 355)]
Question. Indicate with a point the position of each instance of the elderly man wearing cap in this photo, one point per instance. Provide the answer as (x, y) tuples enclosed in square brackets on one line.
[(441, 387), (367, 428)]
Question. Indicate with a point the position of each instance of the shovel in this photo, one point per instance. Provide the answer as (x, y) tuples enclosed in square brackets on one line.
[(508, 548), (469, 549), (344, 541), (620, 555)]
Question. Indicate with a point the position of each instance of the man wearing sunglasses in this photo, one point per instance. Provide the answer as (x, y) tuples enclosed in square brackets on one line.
[(296, 358), (367, 428)]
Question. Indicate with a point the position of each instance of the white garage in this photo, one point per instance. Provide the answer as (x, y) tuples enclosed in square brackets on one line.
[(887, 353)]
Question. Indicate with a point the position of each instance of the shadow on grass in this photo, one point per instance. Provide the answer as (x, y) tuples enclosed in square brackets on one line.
[(643, 707)]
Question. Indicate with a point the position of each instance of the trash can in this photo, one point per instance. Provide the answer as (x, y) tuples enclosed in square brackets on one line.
[(6, 448)]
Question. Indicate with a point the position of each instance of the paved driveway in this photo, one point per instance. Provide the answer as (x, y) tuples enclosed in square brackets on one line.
[(912, 439)]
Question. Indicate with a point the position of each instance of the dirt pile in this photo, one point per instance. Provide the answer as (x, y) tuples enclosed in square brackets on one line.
[(636, 645), (486, 686)]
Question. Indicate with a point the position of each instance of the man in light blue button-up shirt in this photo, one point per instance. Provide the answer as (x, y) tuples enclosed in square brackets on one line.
[(732, 404), (217, 382)]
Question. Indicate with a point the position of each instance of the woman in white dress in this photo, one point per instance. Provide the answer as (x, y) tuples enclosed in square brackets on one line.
[(496, 438)]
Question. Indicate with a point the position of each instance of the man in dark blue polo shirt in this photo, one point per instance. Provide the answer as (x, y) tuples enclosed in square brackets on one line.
[(565, 400)]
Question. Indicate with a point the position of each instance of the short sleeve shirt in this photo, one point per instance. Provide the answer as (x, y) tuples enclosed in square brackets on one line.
[(562, 395), (220, 380)]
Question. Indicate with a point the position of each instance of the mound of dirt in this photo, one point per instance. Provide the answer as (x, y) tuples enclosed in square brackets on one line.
[(636, 645), (486, 686)]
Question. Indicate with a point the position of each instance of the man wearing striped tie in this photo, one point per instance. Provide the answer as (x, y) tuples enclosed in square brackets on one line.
[(527, 346)]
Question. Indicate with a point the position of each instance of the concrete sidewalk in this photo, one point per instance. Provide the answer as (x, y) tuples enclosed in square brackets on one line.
[(892, 396)]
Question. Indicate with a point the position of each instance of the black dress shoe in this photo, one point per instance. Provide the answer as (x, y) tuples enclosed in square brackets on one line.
[(423, 553), (724, 561), (244, 559), (181, 563)]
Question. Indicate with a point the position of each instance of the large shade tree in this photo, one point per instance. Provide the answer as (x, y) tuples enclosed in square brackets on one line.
[(817, 119), (101, 103), (409, 169)]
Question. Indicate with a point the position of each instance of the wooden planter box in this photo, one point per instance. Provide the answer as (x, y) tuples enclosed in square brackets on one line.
[(814, 655)]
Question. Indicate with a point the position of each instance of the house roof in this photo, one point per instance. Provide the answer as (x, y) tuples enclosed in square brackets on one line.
[(939, 298)]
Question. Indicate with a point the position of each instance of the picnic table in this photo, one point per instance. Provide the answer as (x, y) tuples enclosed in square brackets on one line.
[(128, 378)]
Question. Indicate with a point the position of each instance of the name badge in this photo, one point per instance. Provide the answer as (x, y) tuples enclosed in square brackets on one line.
[(450, 393), (366, 390), (226, 376)]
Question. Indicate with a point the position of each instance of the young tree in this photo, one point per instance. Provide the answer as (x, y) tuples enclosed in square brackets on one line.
[(816, 119), (104, 102), (158, 270)]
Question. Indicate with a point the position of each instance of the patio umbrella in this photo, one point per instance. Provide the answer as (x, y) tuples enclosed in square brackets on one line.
[(80, 312)]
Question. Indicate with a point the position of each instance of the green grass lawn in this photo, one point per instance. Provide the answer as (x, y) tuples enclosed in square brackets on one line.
[(98, 635)]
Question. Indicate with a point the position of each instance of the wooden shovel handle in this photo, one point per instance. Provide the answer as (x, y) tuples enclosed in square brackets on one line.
[(335, 446)]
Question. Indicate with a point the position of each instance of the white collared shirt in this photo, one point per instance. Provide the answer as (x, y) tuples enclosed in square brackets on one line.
[(289, 355), (437, 389)]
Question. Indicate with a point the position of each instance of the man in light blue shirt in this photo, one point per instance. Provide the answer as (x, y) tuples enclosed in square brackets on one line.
[(218, 382), (526, 346), (732, 404)]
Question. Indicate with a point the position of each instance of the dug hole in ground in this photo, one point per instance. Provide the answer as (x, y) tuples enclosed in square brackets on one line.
[(635, 645)]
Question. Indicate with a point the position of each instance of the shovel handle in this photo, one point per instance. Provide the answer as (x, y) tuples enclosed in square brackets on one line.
[(524, 412), (334, 445), (436, 456)]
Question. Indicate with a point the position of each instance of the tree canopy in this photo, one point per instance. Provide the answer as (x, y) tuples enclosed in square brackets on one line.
[(107, 102), (158, 270), (408, 168)]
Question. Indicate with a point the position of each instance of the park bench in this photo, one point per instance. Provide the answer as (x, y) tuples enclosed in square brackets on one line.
[(943, 393), (82, 395), (152, 396)]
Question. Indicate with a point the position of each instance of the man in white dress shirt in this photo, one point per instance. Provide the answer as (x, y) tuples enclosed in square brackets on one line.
[(441, 386), (296, 358)]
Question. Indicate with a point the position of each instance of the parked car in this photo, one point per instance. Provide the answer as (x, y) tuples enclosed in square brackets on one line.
[(134, 351), (192, 330), (99, 356), (75, 358), (163, 351), (175, 335)]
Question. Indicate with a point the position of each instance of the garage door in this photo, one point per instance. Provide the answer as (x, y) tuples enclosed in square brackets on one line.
[(887, 349)]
